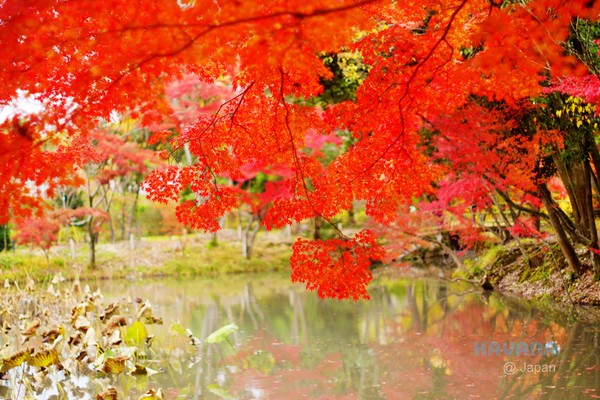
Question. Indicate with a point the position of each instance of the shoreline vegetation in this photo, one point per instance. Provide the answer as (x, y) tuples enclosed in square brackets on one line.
[(529, 269), (178, 255)]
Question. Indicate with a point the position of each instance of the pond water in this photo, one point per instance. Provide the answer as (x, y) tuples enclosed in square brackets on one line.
[(419, 339)]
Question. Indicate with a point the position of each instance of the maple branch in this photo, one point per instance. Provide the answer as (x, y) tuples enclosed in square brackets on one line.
[(213, 124), (295, 155), (407, 85), (191, 40), (520, 207), (255, 18), (441, 40), (294, 150)]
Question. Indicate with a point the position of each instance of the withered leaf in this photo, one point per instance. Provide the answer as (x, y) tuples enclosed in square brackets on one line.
[(43, 358), (111, 310), (114, 323), (31, 328), (16, 359), (110, 394), (114, 365), (153, 395)]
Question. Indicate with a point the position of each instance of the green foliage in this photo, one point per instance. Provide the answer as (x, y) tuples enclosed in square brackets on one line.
[(486, 261), (349, 72), (581, 43), (576, 119), (19, 266), (222, 333), (257, 184), (477, 271), (70, 199), (219, 391), (214, 242), (149, 219)]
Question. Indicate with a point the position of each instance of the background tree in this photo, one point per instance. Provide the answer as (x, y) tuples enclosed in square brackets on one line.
[(115, 160), (92, 218), (38, 232), (257, 193)]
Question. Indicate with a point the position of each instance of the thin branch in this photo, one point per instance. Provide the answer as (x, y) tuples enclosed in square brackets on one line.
[(412, 77), (297, 161)]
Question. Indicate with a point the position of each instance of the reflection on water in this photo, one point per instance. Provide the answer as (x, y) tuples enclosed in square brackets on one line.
[(413, 340)]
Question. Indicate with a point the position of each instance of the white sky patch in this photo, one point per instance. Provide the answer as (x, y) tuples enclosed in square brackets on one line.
[(23, 104)]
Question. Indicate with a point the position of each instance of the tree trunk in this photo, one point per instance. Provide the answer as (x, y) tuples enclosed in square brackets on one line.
[(593, 231), (93, 235), (47, 257), (245, 245), (580, 183), (567, 180), (113, 232), (133, 207), (565, 246), (123, 217), (595, 155), (251, 239), (248, 237), (351, 220), (515, 221), (317, 232)]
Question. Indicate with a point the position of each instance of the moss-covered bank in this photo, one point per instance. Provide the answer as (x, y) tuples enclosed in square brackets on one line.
[(533, 270)]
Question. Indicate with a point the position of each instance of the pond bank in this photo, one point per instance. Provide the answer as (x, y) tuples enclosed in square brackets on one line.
[(193, 255), (530, 270)]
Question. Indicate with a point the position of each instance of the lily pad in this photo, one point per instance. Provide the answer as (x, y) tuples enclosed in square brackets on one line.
[(137, 332), (221, 334)]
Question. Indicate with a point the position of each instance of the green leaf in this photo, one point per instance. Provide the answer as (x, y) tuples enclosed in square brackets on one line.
[(221, 334), (137, 333), (177, 328)]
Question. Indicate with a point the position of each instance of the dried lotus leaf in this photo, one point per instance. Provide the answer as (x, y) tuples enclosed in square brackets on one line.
[(153, 395), (15, 359), (82, 324), (110, 394), (43, 358), (110, 311), (114, 323), (31, 328), (114, 365)]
